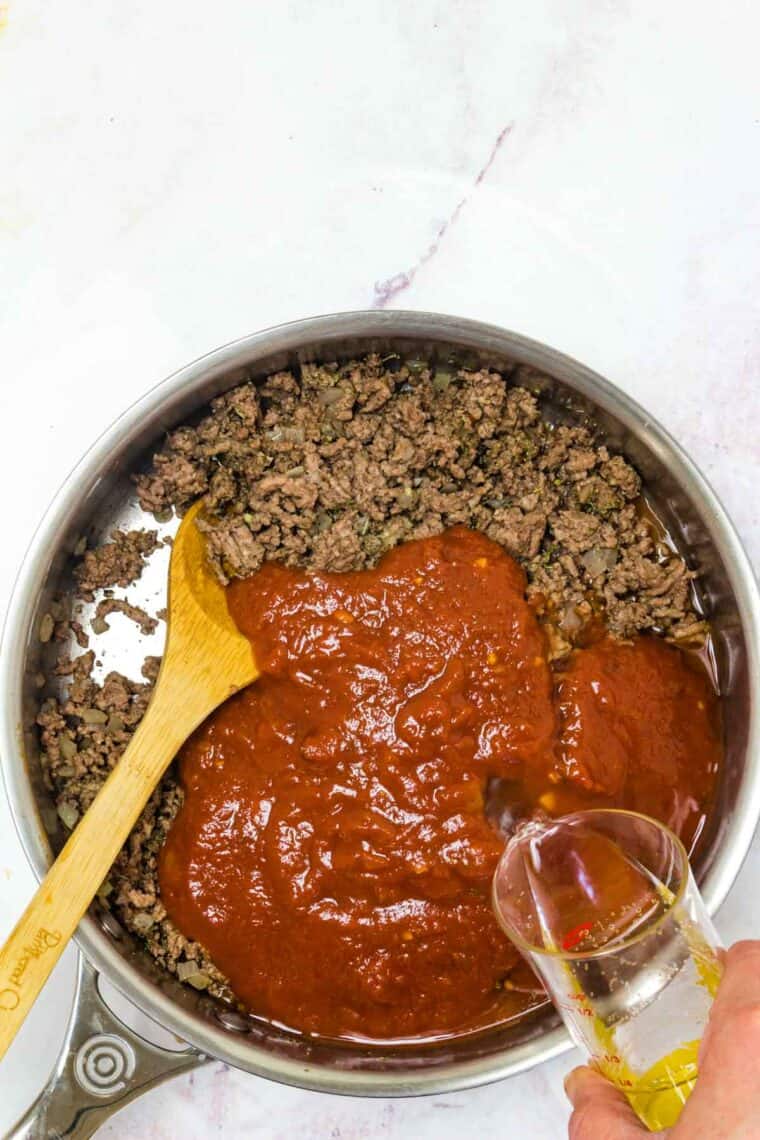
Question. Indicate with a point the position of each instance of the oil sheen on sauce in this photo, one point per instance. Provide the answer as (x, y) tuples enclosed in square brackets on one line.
[(333, 852)]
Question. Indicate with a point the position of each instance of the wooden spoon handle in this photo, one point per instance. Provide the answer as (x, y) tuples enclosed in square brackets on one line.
[(38, 938)]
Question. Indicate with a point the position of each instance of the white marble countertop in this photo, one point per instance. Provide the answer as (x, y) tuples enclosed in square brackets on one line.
[(177, 174)]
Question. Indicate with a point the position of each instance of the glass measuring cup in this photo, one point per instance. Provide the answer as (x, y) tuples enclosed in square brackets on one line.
[(604, 906)]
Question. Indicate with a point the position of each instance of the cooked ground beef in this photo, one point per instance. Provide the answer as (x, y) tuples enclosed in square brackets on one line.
[(58, 624), (109, 606), (117, 563), (82, 739), (332, 468), (329, 469)]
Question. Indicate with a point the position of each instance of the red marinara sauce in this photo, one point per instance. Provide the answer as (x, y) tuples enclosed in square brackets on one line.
[(333, 853)]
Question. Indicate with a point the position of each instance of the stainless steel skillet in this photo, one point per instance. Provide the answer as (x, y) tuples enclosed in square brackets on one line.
[(104, 1064)]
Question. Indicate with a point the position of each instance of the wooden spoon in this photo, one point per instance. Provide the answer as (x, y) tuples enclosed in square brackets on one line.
[(206, 660)]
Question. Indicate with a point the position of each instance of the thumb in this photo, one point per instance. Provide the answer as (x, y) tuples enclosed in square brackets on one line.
[(600, 1111)]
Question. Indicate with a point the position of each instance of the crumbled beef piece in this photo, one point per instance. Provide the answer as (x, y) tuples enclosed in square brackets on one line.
[(617, 473), (519, 532), (576, 531), (69, 627), (232, 547), (119, 562), (150, 668), (338, 547), (108, 606), (81, 637)]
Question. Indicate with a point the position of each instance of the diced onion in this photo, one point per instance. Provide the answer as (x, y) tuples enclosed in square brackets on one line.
[(191, 973), (599, 559), (69, 815)]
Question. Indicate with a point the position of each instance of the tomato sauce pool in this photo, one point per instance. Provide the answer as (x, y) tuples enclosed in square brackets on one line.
[(336, 844)]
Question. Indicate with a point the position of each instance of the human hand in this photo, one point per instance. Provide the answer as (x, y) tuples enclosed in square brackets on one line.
[(725, 1104)]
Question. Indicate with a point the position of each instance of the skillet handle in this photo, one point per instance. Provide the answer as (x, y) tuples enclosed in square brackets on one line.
[(102, 1066)]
